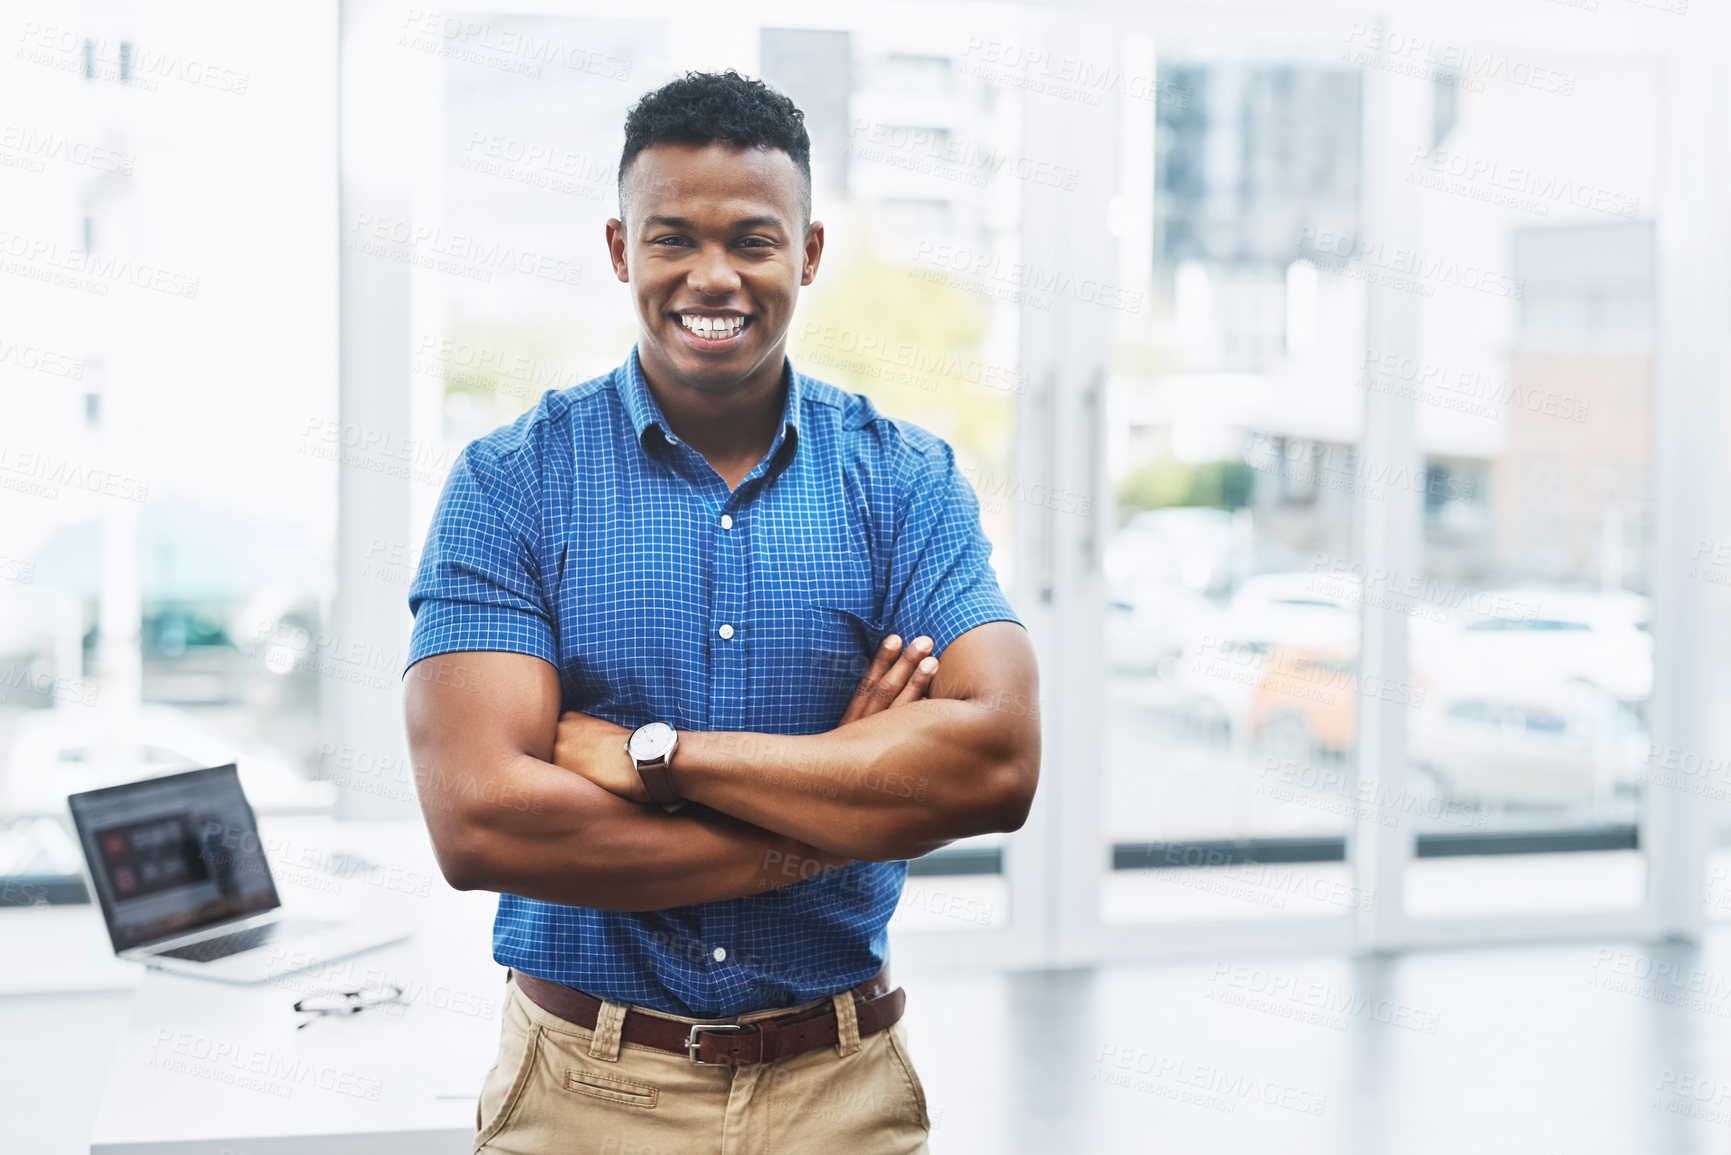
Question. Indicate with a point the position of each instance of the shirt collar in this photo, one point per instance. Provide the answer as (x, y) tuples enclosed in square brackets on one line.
[(646, 415)]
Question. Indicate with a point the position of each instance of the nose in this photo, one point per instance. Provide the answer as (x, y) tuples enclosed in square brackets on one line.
[(712, 274)]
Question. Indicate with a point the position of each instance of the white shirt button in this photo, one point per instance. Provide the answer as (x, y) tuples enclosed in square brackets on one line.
[(719, 954), (725, 631), (671, 440), (727, 521)]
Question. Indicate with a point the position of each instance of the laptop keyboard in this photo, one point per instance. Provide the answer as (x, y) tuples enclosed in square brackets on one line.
[(211, 949)]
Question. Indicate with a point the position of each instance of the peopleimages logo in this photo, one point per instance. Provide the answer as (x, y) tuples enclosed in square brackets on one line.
[(503, 47), (1435, 383), (47, 261), (37, 359), (1067, 77), (1343, 467), (1422, 55), (460, 254), (1253, 988), (994, 490), (34, 148), (935, 151), (991, 269), (1423, 587), (1399, 268), (1118, 1065), (64, 690), (902, 361), (1543, 188), (44, 475), (140, 66)]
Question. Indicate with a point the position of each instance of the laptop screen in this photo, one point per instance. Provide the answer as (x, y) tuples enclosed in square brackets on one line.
[(173, 855)]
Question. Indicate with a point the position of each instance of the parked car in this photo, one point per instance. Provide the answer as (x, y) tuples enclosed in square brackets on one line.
[(1307, 702), (1539, 636), (1271, 618), (1148, 630), (1167, 571), (1563, 744), (1194, 548)]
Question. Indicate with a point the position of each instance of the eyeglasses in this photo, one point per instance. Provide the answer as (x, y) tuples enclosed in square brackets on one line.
[(322, 1003)]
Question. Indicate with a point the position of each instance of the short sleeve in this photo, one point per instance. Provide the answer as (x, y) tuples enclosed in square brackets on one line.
[(478, 585), (941, 581)]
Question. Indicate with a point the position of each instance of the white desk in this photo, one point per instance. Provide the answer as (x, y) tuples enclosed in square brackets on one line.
[(205, 1068), (59, 950)]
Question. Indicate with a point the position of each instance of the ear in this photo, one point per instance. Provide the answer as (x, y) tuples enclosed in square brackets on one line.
[(616, 244), (813, 252)]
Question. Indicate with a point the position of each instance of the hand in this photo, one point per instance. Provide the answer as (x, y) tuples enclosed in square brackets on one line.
[(596, 750), (897, 675)]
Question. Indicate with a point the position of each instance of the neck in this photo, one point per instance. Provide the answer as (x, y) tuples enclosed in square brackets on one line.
[(731, 427)]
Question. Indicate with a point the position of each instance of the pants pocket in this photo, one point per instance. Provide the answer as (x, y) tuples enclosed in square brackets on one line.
[(917, 1090), (519, 1044), (612, 1088)]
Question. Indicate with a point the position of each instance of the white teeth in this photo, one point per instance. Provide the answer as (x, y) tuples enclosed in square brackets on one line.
[(716, 327)]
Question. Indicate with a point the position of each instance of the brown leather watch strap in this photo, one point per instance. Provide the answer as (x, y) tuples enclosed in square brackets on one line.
[(729, 1043), (657, 778)]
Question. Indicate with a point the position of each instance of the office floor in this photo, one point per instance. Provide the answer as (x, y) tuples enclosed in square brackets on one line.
[(1617, 1049), (1567, 1050)]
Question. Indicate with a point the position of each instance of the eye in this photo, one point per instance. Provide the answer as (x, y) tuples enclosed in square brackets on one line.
[(675, 239), (757, 242)]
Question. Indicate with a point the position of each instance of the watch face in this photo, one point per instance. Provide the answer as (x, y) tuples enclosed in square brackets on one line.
[(651, 741)]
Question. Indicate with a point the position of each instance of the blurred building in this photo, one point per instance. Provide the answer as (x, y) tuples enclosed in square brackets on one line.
[(1260, 355), (1573, 498), (916, 147), (814, 68), (1253, 161)]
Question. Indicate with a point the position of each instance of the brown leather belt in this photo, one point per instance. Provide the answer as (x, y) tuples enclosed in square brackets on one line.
[(727, 1043)]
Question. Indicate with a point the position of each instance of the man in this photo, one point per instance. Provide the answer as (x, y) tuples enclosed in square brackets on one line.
[(636, 704)]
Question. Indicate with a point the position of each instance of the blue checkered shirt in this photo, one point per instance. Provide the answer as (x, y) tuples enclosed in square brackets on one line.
[(585, 534)]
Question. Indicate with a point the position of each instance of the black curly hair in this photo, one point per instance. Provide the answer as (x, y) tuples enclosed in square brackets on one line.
[(711, 107)]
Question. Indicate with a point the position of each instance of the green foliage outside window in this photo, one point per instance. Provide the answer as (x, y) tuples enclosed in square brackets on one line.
[(1166, 483)]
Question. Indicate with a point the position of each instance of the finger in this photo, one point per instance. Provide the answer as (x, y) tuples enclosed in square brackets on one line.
[(918, 684), (897, 676), (887, 653)]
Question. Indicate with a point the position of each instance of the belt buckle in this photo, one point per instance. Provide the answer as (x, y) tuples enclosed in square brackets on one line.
[(692, 1042)]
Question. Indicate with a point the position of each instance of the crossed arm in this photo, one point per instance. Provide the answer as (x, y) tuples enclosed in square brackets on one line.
[(520, 799)]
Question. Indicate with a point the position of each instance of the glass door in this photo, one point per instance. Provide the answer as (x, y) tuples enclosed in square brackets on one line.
[(1366, 646), (1533, 391), (1235, 469)]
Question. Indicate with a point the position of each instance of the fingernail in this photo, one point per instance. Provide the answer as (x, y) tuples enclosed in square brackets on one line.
[(929, 665), (892, 642), (922, 643)]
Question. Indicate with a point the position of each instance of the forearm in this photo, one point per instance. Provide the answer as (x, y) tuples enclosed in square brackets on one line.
[(542, 832), (896, 784)]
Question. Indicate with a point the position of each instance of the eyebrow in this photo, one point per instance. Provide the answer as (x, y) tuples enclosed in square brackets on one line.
[(742, 223)]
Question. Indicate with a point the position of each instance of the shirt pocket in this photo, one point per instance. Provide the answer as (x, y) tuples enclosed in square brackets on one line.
[(839, 645)]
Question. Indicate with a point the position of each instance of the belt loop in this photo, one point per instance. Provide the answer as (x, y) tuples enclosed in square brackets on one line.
[(846, 1024), (609, 1021)]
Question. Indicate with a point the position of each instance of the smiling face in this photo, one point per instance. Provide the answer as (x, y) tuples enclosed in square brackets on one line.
[(715, 248)]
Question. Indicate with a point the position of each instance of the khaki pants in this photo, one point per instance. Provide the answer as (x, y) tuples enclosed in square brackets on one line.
[(559, 1088)]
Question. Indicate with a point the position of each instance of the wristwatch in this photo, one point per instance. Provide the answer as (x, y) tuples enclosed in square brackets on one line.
[(651, 750)]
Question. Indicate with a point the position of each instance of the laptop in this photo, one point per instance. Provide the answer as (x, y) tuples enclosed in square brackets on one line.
[(179, 869)]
